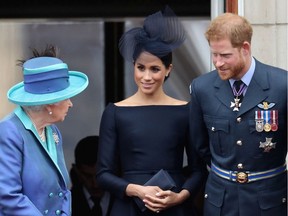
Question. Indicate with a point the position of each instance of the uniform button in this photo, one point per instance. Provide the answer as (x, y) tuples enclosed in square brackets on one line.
[(240, 166), (46, 211), (239, 142), (213, 128), (239, 119), (283, 200), (60, 194), (206, 196), (51, 194), (57, 212)]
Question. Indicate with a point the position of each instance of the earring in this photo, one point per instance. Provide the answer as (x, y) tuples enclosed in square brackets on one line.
[(50, 112)]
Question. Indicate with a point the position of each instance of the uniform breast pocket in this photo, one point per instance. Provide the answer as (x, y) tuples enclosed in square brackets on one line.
[(218, 130)]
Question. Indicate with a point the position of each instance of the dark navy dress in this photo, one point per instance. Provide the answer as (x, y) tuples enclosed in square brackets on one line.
[(138, 141)]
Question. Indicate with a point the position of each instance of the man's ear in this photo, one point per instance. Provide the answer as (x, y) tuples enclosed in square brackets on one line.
[(246, 47)]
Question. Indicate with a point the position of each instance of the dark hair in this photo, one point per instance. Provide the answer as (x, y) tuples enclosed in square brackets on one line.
[(86, 151), (49, 51), (167, 59)]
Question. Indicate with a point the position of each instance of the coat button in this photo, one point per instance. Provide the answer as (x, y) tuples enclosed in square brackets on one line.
[(239, 142), (240, 166), (239, 119), (51, 194), (283, 200), (213, 128), (206, 196), (60, 194), (46, 211), (57, 212)]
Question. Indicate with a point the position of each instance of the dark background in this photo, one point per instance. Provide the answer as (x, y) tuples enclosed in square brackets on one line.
[(99, 8)]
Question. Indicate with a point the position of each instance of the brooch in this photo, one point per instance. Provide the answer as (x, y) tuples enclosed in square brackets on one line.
[(56, 137)]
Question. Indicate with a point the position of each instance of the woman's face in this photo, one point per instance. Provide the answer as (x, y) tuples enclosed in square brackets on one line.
[(149, 73), (59, 110)]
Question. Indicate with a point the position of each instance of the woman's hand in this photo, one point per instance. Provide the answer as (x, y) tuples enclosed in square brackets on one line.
[(164, 199), (140, 191)]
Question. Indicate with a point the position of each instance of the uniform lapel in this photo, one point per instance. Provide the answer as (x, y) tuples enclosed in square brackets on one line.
[(257, 89), (223, 91), (256, 92)]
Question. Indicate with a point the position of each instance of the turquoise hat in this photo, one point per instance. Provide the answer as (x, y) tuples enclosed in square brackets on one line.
[(47, 80)]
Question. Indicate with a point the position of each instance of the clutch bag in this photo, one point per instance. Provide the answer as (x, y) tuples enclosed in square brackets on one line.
[(161, 179)]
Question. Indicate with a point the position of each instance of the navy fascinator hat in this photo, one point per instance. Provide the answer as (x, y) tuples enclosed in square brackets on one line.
[(161, 33)]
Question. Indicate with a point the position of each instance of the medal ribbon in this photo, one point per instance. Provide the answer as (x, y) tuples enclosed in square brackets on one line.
[(274, 116), (241, 90), (267, 116), (274, 125)]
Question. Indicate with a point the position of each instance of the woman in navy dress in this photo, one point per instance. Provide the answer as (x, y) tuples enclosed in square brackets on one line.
[(148, 131)]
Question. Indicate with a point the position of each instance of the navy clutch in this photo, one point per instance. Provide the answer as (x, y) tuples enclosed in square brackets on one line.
[(161, 179)]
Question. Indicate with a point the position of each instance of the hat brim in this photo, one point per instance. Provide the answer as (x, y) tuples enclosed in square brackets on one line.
[(78, 83)]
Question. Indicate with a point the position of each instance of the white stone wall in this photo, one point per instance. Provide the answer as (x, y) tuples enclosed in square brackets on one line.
[(270, 23), (10, 51)]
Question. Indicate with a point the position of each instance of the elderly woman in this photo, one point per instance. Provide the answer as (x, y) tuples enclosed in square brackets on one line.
[(33, 176)]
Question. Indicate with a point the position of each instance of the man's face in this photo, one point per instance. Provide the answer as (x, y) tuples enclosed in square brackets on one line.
[(229, 61)]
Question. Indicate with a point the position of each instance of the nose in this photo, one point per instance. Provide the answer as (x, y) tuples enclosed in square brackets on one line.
[(147, 75), (218, 62), (70, 104)]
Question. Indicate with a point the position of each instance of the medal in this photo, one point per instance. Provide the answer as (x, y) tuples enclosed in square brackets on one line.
[(237, 95), (274, 125), (236, 104), (267, 127), (259, 125), (270, 117), (267, 145), (259, 121)]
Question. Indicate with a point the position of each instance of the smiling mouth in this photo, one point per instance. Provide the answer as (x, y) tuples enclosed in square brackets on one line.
[(222, 69), (147, 85)]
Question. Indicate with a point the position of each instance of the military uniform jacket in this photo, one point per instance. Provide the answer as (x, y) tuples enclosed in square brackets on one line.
[(231, 141), (30, 182)]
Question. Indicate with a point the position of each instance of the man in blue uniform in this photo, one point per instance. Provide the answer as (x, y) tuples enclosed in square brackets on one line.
[(238, 120)]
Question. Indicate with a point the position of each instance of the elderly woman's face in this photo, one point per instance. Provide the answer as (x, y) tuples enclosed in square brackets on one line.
[(59, 110)]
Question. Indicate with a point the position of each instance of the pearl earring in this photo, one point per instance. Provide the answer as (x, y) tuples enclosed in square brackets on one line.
[(50, 112)]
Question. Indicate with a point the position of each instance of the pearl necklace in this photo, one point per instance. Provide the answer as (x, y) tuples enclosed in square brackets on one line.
[(43, 136)]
